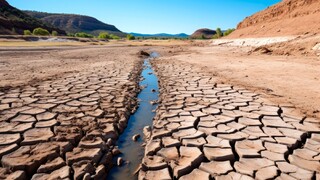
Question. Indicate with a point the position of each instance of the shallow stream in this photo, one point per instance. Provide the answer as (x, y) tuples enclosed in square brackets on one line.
[(133, 152)]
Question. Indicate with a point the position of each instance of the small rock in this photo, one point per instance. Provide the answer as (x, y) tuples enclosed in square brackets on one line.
[(135, 137), (143, 53), (119, 161), (116, 151), (87, 176), (262, 50), (153, 102), (109, 142)]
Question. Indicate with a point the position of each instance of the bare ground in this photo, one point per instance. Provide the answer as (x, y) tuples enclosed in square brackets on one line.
[(21, 66), (283, 79), (98, 84)]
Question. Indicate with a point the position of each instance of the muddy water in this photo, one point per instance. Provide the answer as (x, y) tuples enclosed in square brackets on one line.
[(132, 152)]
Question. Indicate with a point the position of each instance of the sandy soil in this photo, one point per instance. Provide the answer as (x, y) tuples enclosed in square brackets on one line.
[(22, 65), (283, 79)]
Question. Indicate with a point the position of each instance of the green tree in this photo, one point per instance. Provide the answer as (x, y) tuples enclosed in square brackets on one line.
[(130, 37), (215, 36), (219, 33), (70, 34), (228, 31), (114, 36), (27, 32), (104, 35), (41, 32), (54, 33), (83, 35)]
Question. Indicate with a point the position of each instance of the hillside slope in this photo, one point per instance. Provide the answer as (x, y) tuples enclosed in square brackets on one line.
[(203, 33), (14, 21), (72, 23), (289, 17)]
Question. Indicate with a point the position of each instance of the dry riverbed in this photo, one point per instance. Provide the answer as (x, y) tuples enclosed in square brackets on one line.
[(65, 126), (222, 113), (206, 130), (283, 79)]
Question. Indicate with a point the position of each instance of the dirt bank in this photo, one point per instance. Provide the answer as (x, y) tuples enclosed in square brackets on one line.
[(289, 17)]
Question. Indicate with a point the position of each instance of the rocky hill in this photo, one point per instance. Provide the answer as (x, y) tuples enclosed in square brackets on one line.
[(289, 17), (14, 21), (203, 33), (72, 23)]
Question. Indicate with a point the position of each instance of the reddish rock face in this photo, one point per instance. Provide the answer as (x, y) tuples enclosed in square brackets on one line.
[(289, 17)]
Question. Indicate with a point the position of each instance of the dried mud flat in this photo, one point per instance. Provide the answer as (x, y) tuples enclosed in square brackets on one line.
[(66, 128), (64, 123), (204, 130)]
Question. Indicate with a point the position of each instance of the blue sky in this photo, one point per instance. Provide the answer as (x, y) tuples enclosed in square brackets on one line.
[(155, 16)]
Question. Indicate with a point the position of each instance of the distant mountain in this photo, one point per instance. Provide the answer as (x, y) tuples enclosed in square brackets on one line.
[(203, 33), (14, 21), (161, 35), (73, 23)]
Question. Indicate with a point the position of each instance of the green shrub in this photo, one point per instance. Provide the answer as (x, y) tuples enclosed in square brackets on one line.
[(83, 35), (219, 33), (114, 36), (54, 33), (215, 36), (130, 37), (70, 34), (41, 32), (27, 32), (228, 31), (104, 35)]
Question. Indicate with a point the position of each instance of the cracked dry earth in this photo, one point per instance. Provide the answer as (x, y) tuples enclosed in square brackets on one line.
[(66, 128), (204, 130)]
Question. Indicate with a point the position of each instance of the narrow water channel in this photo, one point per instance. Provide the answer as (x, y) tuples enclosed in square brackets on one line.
[(132, 151)]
